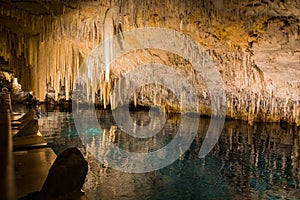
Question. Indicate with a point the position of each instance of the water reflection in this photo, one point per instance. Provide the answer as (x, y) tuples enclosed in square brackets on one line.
[(59, 130), (248, 162), (262, 160)]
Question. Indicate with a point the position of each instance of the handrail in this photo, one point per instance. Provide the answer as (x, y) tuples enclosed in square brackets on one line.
[(7, 179)]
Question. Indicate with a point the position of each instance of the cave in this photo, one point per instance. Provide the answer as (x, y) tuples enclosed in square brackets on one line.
[(162, 98)]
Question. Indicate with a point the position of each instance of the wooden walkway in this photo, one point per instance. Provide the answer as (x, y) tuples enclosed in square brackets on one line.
[(25, 158), (31, 169)]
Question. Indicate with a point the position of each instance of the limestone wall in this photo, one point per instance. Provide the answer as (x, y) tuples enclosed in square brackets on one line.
[(254, 43)]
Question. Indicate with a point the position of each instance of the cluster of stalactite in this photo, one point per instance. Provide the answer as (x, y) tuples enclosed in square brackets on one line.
[(14, 49), (247, 96), (253, 107), (49, 49)]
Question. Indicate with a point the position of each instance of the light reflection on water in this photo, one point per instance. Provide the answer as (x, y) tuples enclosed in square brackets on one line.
[(248, 162)]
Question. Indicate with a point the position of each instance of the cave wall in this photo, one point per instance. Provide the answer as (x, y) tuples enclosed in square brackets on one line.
[(254, 43)]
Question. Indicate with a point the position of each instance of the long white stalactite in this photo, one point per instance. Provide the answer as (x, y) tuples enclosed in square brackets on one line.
[(108, 32)]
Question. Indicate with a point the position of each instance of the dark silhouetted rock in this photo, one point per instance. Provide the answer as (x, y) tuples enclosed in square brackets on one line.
[(31, 196), (66, 176)]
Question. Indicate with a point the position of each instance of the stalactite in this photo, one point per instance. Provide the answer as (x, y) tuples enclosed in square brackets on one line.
[(143, 11), (135, 99), (108, 31), (292, 40), (66, 40)]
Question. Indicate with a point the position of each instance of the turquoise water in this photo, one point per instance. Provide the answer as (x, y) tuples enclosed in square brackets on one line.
[(248, 162)]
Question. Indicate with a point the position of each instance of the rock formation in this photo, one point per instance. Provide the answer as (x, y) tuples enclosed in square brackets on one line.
[(65, 178), (254, 43)]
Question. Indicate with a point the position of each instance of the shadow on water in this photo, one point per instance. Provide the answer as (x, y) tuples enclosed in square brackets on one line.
[(248, 162)]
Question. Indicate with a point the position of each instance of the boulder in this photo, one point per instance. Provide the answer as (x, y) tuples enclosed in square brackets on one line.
[(66, 176)]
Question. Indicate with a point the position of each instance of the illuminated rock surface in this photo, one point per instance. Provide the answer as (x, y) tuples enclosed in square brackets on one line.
[(254, 43)]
